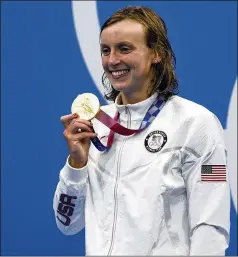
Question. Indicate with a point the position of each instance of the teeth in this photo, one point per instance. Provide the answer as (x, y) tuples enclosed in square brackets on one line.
[(119, 73)]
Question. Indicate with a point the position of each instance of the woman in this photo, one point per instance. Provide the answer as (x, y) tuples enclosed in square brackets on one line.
[(163, 190)]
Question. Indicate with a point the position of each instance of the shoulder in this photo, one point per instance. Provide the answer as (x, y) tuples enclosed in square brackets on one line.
[(195, 119), (190, 111), (187, 107)]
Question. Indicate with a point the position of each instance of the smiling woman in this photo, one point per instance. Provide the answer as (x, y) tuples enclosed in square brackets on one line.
[(163, 190), (135, 47), (127, 60)]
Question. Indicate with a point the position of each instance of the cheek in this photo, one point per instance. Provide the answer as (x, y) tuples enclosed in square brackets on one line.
[(147, 67), (142, 65), (142, 69), (104, 62)]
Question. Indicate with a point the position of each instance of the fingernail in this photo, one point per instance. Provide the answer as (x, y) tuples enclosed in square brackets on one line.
[(75, 114)]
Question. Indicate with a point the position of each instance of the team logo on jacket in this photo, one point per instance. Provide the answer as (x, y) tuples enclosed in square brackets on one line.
[(155, 141)]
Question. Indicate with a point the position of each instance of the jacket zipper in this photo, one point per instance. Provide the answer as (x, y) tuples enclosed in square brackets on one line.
[(116, 185)]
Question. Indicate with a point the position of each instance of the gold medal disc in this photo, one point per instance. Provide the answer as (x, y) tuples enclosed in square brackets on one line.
[(86, 106)]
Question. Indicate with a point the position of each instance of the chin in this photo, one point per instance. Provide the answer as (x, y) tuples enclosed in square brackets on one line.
[(120, 87)]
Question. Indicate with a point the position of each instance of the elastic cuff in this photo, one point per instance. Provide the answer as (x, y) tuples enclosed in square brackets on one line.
[(74, 174)]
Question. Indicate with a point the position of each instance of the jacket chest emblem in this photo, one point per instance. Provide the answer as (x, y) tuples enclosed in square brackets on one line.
[(155, 141)]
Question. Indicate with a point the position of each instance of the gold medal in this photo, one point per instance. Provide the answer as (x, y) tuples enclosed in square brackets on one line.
[(86, 106)]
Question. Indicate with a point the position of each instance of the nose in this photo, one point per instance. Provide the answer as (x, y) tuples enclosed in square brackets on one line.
[(113, 59)]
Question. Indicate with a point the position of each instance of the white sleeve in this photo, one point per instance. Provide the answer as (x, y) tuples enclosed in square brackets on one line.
[(69, 199), (208, 198)]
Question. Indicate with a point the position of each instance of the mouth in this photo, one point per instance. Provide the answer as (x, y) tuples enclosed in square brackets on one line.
[(119, 73)]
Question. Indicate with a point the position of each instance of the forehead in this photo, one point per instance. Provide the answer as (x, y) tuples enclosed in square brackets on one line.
[(126, 30)]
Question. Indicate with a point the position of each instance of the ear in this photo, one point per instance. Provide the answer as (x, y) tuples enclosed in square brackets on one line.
[(156, 58)]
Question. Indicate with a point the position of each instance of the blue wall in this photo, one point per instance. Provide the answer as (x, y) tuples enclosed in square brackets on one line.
[(43, 71)]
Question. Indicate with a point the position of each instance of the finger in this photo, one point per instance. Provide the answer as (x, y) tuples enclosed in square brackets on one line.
[(66, 119), (79, 136), (77, 126), (83, 135), (86, 122)]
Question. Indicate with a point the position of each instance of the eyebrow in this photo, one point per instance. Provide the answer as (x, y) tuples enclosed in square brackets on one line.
[(118, 44)]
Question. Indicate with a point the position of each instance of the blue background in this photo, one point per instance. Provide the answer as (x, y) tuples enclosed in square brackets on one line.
[(42, 72)]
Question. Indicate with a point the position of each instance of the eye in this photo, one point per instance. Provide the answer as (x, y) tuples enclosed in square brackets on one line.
[(125, 49), (105, 51)]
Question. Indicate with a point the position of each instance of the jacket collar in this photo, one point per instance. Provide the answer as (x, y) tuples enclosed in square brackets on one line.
[(137, 111)]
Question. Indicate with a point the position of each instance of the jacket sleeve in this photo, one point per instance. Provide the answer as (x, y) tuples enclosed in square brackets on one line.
[(69, 199), (208, 198)]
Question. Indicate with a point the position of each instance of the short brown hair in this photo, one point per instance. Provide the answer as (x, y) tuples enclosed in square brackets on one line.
[(164, 81)]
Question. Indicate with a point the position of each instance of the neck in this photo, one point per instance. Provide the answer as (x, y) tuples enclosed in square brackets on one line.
[(133, 98), (136, 94)]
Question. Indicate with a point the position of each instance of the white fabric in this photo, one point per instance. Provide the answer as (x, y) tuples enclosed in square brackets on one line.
[(135, 202)]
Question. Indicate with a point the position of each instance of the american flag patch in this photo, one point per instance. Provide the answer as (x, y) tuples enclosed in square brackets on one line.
[(213, 173)]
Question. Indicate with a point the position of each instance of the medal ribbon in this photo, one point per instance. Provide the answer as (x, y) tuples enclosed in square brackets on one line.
[(115, 127)]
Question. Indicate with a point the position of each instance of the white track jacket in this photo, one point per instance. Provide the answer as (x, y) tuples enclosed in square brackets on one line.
[(163, 191)]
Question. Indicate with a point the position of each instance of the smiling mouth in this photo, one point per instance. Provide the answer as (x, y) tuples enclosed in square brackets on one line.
[(119, 73)]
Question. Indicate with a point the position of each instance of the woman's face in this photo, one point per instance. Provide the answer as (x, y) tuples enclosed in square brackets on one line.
[(126, 59)]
